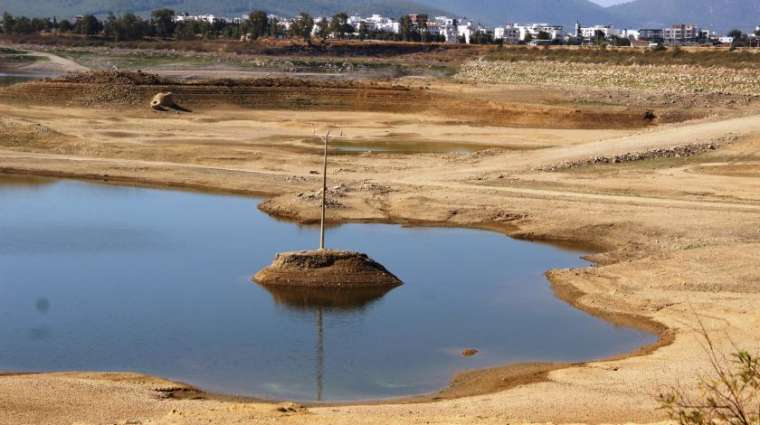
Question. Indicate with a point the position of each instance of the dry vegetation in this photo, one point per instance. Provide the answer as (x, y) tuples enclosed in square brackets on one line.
[(676, 79), (698, 56)]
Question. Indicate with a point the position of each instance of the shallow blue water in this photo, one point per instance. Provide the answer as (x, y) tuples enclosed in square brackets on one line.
[(96, 277)]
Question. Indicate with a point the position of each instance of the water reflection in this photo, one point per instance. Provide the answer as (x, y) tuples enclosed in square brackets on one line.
[(320, 300), (333, 300), (23, 182)]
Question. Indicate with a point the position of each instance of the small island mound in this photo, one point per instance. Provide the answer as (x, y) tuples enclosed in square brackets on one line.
[(328, 269)]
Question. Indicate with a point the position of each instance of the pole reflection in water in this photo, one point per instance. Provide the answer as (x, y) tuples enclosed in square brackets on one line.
[(320, 300), (320, 354)]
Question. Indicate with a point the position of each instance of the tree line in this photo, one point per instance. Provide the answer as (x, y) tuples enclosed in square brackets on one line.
[(164, 24)]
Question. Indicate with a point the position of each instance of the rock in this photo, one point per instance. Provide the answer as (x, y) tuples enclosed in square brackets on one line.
[(683, 151), (163, 100), (469, 352), (290, 408)]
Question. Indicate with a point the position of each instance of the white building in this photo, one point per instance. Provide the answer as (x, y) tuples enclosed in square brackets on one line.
[(199, 18), (509, 32), (629, 34), (435, 29), (466, 28), (534, 30), (381, 23), (446, 27), (591, 32)]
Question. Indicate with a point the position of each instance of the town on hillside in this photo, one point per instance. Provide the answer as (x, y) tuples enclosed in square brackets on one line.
[(411, 27)]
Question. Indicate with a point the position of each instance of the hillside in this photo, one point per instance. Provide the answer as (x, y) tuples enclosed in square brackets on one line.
[(721, 15), (68, 8)]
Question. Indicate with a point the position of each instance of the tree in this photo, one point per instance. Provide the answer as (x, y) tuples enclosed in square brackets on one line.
[(186, 30), (599, 37), (275, 30), (729, 395), (739, 38), (9, 22), (543, 35), (422, 22), (619, 41), (259, 24), (323, 29), (406, 28), (126, 27), (88, 25), (339, 25), (163, 22), (302, 26), (481, 37), (363, 31), (735, 33), (528, 37), (65, 26), (23, 25)]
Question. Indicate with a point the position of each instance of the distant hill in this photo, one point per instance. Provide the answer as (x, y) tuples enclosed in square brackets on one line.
[(720, 15), (495, 12), (68, 8)]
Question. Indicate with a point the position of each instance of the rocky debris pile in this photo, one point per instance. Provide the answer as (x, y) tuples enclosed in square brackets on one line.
[(507, 217), (682, 151), (333, 194), (296, 179), (326, 269), (368, 186), (121, 78), (679, 79)]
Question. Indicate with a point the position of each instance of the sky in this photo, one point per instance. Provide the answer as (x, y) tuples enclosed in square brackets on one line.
[(609, 2)]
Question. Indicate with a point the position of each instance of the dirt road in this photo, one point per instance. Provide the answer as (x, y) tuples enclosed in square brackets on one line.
[(48, 64)]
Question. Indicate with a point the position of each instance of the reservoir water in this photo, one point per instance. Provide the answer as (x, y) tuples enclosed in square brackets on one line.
[(109, 278), (8, 79)]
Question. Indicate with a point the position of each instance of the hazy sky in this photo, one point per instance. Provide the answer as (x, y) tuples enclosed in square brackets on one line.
[(609, 2)]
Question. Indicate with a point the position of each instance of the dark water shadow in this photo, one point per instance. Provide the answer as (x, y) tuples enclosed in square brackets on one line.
[(333, 300)]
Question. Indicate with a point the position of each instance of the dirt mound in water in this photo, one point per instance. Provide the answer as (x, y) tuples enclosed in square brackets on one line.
[(326, 269)]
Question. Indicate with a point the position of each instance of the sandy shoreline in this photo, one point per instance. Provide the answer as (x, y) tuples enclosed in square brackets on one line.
[(463, 384)]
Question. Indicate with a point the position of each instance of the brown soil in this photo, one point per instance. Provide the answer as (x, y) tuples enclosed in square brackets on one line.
[(678, 238), (115, 89), (326, 269)]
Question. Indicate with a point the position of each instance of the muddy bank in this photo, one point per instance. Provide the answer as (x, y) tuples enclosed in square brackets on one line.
[(117, 89)]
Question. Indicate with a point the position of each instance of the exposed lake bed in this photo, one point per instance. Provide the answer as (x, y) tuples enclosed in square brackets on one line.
[(672, 243)]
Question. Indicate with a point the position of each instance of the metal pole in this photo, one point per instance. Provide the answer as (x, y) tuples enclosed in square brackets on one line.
[(324, 196)]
